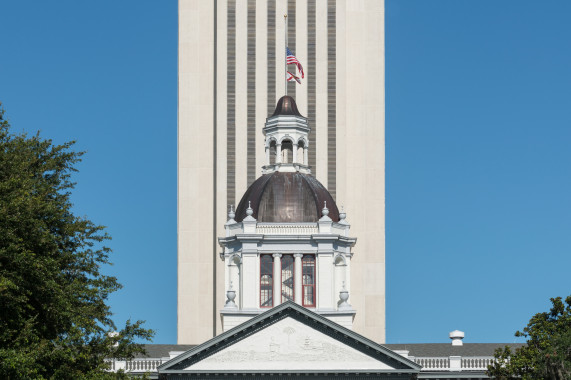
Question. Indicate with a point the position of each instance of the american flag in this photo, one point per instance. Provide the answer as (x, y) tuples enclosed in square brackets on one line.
[(292, 60), (291, 77)]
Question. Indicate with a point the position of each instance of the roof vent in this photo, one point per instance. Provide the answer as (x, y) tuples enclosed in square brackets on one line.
[(456, 337)]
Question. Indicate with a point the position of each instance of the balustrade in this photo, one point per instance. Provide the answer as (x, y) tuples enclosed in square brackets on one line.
[(142, 365), (430, 364), (286, 229), (476, 363)]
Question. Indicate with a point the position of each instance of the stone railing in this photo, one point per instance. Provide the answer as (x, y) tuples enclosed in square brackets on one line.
[(287, 229), (435, 363), (476, 363), (136, 365), (452, 363)]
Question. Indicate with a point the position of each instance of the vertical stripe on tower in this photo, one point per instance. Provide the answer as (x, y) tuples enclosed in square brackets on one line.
[(291, 43), (271, 56), (331, 98), (251, 133), (231, 105), (310, 75)]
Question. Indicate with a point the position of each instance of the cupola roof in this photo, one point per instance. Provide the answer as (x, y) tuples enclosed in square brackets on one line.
[(286, 106), (285, 197)]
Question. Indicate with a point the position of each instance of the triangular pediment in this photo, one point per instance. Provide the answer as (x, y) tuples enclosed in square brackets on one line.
[(289, 338), (285, 343)]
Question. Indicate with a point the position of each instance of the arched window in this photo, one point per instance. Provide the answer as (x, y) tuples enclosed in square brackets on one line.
[(308, 280), (273, 152), (266, 281), (300, 146), (287, 151), (287, 278)]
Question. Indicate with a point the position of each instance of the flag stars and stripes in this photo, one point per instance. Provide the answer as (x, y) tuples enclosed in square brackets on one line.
[(292, 60)]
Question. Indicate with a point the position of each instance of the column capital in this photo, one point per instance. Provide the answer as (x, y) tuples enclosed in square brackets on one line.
[(278, 255), (296, 255)]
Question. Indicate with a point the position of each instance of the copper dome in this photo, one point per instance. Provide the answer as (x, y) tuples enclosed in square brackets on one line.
[(286, 106), (287, 198)]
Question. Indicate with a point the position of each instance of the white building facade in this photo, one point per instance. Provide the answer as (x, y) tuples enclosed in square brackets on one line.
[(231, 74)]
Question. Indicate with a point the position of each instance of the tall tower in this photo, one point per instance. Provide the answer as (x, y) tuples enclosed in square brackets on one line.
[(231, 74)]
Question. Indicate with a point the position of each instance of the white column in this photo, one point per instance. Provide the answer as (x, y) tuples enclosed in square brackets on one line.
[(195, 121), (305, 159), (277, 278), (278, 153), (363, 166), (325, 287), (297, 278), (294, 158), (267, 155), (250, 280)]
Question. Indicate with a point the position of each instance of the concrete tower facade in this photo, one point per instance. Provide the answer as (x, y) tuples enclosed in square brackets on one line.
[(231, 74)]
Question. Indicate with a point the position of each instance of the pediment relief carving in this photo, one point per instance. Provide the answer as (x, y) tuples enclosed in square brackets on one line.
[(286, 343)]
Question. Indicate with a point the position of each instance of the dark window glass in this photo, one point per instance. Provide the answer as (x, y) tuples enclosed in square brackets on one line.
[(266, 281), (287, 277), (308, 280)]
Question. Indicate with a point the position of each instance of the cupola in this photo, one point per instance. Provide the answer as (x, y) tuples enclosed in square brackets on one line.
[(286, 139)]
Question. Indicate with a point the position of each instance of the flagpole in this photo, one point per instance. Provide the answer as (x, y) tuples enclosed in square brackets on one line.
[(285, 54)]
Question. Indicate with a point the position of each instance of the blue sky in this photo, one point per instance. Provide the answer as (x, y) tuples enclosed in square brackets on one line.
[(478, 136)]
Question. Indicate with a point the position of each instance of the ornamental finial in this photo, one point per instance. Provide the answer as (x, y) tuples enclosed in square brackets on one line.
[(249, 210), (325, 210), (342, 214), (343, 297), (231, 213)]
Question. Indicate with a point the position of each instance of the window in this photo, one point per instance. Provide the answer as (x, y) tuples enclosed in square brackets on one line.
[(287, 278), (287, 151), (266, 281), (273, 151), (308, 280)]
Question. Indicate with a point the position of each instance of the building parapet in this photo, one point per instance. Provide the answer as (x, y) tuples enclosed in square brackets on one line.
[(429, 363)]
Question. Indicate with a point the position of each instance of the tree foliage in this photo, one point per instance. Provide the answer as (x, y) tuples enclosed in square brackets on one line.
[(547, 354), (54, 319)]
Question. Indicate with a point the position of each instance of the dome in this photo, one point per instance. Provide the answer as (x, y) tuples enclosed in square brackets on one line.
[(286, 197), (286, 106)]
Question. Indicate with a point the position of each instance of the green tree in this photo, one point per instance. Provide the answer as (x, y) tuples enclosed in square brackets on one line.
[(54, 320), (547, 353)]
